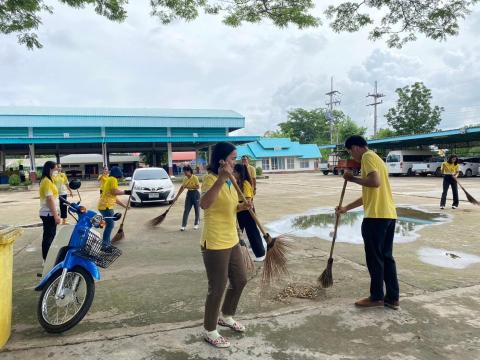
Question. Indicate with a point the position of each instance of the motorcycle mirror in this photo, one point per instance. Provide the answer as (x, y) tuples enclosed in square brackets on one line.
[(75, 184), (117, 216)]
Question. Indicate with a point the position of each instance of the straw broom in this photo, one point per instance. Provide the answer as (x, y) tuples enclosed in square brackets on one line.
[(120, 235), (275, 264), (326, 279), (470, 198), (159, 219), (247, 259)]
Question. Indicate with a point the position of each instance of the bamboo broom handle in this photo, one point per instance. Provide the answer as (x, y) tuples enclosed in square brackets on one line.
[(337, 219), (128, 204), (232, 179)]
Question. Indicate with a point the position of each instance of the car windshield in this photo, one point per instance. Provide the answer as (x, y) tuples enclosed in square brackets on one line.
[(393, 158), (151, 175)]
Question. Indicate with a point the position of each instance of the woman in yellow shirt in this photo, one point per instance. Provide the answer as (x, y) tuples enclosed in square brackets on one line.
[(48, 206), (107, 202), (61, 182), (102, 178), (450, 169), (245, 220), (220, 245), (192, 184)]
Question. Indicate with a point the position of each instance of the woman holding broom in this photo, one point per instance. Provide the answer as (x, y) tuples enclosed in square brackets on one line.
[(192, 184), (108, 199), (245, 220), (450, 169), (220, 246)]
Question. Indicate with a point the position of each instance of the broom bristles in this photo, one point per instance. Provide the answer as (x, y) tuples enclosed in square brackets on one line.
[(158, 220), (470, 198), (275, 264), (326, 279), (120, 235), (247, 259)]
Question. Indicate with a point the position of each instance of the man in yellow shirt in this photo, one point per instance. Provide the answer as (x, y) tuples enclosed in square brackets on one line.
[(378, 227), (103, 177), (61, 182), (252, 172), (450, 170), (107, 202), (192, 184)]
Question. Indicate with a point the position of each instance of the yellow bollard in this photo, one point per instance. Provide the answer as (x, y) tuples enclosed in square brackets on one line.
[(7, 237)]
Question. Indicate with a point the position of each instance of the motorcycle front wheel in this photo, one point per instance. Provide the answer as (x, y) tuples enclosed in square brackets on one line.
[(57, 315)]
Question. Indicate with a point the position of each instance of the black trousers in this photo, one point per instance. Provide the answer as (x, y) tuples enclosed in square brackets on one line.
[(63, 206), (192, 199), (448, 181), (246, 222), (49, 231), (378, 240)]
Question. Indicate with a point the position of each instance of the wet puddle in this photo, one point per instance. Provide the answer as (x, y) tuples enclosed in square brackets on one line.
[(320, 223), (447, 258)]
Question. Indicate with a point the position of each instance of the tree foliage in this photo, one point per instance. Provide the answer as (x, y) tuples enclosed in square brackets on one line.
[(413, 113), (313, 127), (402, 20), (384, 133)]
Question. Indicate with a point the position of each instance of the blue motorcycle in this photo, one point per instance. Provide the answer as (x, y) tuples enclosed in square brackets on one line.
[(67, 284)]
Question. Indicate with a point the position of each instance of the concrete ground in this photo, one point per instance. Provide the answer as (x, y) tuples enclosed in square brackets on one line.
[(149, 304)]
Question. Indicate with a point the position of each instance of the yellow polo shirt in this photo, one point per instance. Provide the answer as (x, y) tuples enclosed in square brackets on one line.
[(60, 181), (47, 188), (247, 190), (220, 219), (191, 183), (102, 178), (252, 171), (377, 202), (108, 199), (450, 169)]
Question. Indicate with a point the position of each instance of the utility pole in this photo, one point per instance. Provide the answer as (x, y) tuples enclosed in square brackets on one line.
[(375, 96), (330, 104)]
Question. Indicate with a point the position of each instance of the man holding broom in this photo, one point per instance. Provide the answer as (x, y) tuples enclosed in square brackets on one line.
[(378, 227)]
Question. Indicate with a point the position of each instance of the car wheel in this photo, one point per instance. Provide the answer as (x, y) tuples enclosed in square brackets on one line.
[(325, 173), (438, 172), (468, 173), (410, 172), (460, 174)]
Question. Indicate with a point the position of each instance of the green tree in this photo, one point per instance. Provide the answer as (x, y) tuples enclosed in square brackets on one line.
[(400, 21), (413, 113), (347, 127), (274, 134), (384, 133)]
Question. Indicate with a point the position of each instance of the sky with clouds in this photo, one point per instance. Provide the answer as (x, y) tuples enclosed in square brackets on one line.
[(258, 70)]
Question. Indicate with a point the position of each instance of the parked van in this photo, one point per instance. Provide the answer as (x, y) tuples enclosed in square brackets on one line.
[(400, 162)]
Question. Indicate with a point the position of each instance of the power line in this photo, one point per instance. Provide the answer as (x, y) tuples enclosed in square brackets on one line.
[(375, 96)]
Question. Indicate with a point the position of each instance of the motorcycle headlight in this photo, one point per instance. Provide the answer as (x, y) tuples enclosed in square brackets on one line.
[(97, 220)]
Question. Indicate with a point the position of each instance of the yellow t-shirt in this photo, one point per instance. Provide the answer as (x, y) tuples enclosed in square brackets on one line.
[(377, 202), (252, 171), (220, 219), (108, 198), (47, 188), (247, 190), (102, 178), (191, 183), (60, 181), (450, 169)]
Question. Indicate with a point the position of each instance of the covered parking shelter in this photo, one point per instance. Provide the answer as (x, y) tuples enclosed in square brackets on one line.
[(52, 130)]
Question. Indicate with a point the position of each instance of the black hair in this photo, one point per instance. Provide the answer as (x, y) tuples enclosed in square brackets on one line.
[(47, 167), (450, 158), (244, 175), (355, 140), (188, 168), (220, 152)]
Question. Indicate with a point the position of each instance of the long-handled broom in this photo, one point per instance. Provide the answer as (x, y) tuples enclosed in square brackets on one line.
[(275, 264), (326, 279), (470, 198), (120, 233), (247, 259)]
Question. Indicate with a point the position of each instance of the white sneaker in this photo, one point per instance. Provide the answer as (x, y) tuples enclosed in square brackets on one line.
[(195, 227), (182, 228), (454, 207), (442, 207), (259, 259)]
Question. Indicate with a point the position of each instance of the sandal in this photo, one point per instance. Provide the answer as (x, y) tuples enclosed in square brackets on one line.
[(220, 342), (235, 327)]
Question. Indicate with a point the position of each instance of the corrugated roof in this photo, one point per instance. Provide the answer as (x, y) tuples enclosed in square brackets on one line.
[(279, 147)]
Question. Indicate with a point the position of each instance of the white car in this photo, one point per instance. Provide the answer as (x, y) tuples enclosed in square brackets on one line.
[(151, 185), (469, 167), (400, 162)]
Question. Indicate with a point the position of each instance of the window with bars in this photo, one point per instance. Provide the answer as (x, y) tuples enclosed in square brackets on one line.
[(290, 163)]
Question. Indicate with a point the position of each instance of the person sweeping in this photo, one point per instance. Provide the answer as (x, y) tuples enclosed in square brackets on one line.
[(245, 220), (48, 206), (378, 226), (191, 184), (252, 172), (220, 246), (103, 177), (450, 170), (108, 199), (61, 182)]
